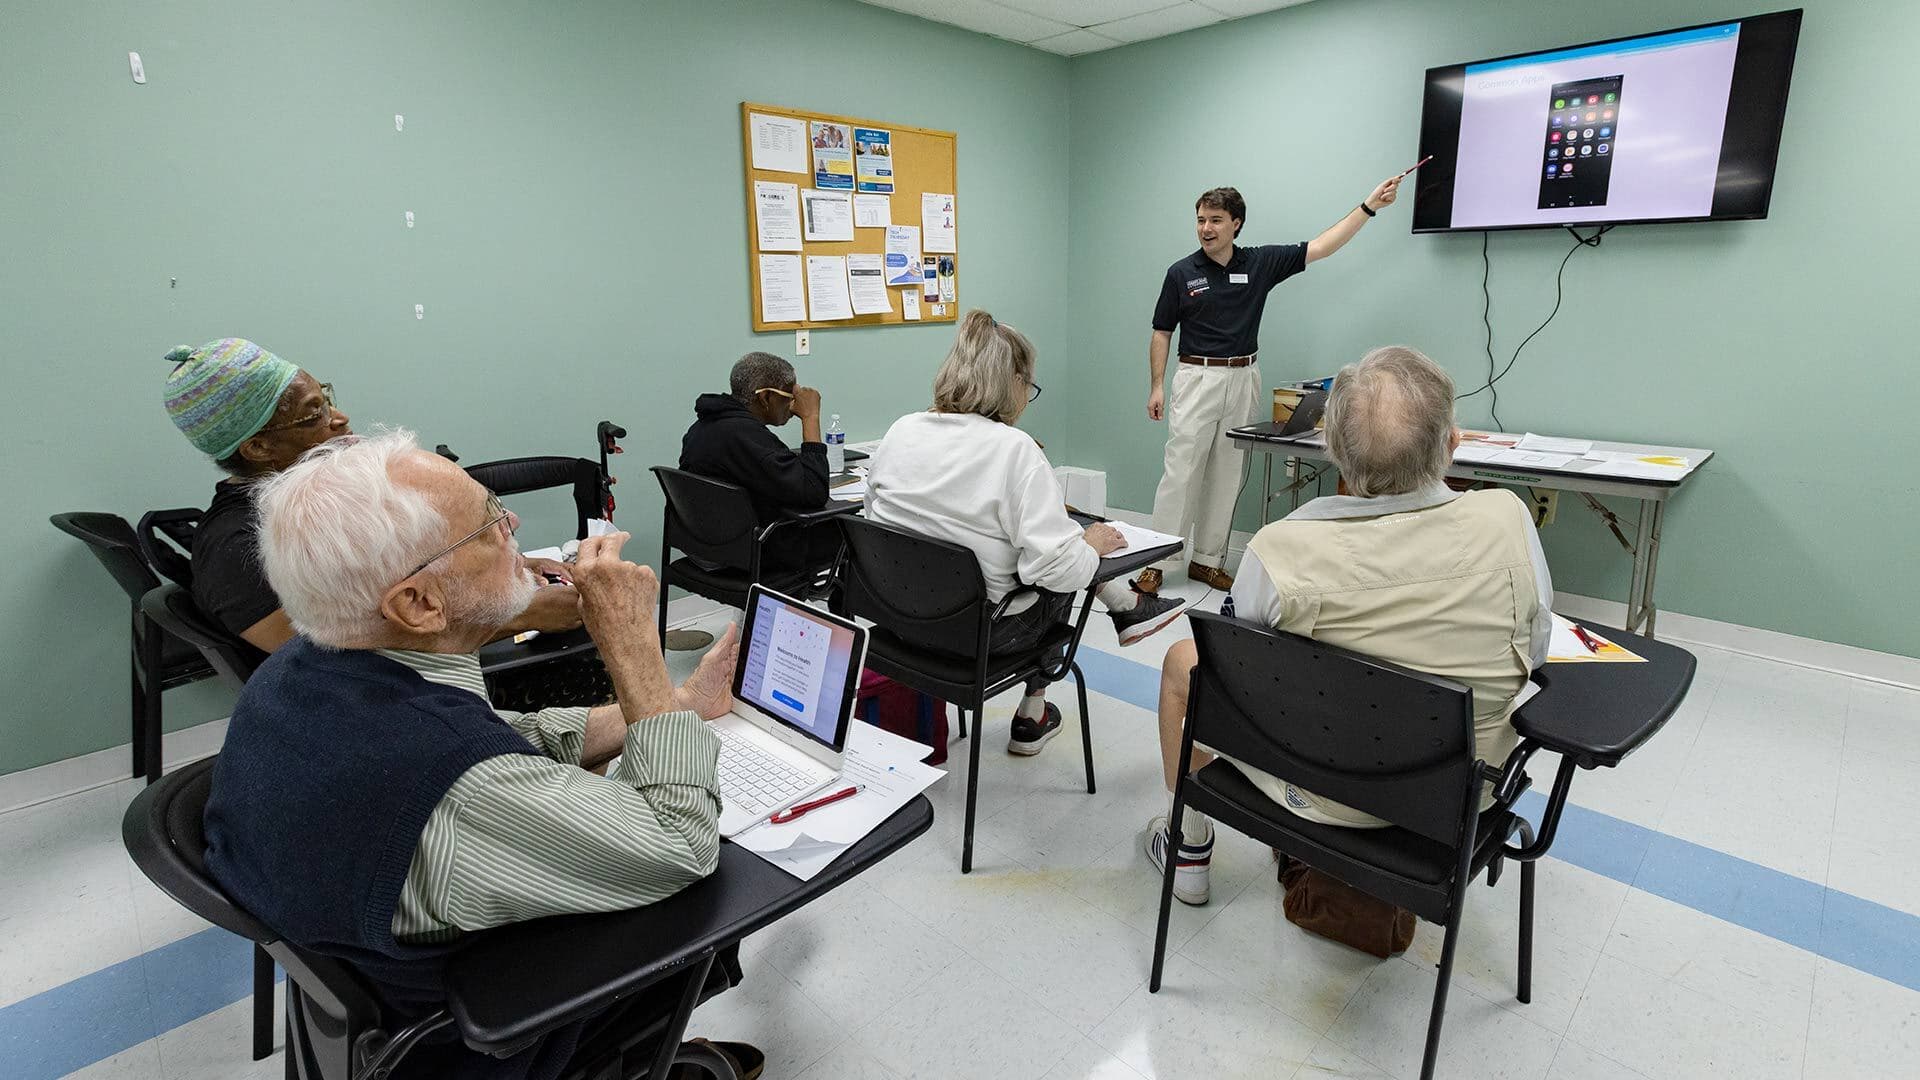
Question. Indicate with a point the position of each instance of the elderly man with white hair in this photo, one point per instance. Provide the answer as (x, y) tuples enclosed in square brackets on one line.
[(1398, 566), (369, 804)]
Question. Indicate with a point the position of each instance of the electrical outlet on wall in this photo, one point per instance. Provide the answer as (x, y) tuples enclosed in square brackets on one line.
[(802, 343), (1544, 505)]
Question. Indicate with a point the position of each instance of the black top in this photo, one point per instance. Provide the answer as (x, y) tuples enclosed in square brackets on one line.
[(729, 443), (1218, 307), (229, 584)]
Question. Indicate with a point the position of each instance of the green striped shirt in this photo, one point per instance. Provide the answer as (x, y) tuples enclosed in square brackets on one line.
[(518, 837)]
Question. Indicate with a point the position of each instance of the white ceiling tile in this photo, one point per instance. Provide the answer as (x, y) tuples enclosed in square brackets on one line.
[(1154, 24), (1075, 42), (980, 16), (1236, 8), (1084, 13)]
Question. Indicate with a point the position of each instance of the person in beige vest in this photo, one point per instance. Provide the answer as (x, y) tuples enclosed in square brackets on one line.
[(1397, 566)]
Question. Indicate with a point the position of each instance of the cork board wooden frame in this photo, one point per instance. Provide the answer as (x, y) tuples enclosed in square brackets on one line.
[(925, 161)]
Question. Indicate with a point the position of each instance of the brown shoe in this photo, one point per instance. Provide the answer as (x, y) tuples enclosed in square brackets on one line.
[(1148, 582), (1211, 576)]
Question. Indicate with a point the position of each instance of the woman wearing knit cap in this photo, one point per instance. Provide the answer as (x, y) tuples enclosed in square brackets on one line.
[(254, 414)]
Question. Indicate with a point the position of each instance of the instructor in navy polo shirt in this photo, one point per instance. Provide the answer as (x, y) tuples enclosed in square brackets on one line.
[(1215, 297)]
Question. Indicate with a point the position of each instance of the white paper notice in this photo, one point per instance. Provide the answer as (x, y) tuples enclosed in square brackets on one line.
[(829, 214), (867, 281), (783, 296), (936, 218), (910, 304), (903, 255), (872, 211), (827, 288), (1528, 459), (779, 143), (1547, 444), (777, 215)]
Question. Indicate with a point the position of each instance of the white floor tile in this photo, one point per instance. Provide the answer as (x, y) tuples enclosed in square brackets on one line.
[(1199, 1028), (1665, 1030), (140, 1062), (1576, 1062), (1386, 1024), (1728, 963), (1252, 947), (1330, 1062), (1884, 720), (770, 1012), (1123, 884), (40, 949), (857, 956), (1088, 1060), (220, 1045), (968, 1023), (1862, 1026), (1876, 829), (1487, 961), (848, 1062)]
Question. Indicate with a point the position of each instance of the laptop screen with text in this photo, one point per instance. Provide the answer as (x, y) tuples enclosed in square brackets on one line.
[(796, 666)]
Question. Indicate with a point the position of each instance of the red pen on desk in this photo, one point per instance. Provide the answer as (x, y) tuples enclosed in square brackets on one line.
[(1592, 643), (795, 811)]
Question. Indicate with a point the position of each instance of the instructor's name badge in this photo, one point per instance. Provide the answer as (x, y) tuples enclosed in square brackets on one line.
[(1236, 279)]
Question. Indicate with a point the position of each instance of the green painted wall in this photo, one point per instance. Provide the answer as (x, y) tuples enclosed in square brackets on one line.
[(1708, 335), (575, 169)]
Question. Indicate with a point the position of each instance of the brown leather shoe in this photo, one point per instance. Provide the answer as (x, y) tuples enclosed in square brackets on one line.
[(1211, 576), (1148, 582)]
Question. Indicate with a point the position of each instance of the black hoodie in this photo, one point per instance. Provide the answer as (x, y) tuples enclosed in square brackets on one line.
[(729, 443)]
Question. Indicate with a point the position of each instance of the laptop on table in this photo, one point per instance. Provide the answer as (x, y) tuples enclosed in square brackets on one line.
[(794, 690)]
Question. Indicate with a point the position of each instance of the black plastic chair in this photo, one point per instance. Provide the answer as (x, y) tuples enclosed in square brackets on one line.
[(166, 541), (172, 607), (157, 661), (1382, 739), (713, 523), (336, 1028), (515, 476), (932, 624)]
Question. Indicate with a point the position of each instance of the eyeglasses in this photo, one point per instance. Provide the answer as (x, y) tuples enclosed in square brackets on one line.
[(771, 390), (496, 513), (1033, 392), (327, 409)]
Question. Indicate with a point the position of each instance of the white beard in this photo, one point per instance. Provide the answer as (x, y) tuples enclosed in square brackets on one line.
[(500, 608)]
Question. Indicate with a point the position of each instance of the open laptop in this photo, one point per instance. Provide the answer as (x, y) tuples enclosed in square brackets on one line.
[(794, 689), (1298, 426)]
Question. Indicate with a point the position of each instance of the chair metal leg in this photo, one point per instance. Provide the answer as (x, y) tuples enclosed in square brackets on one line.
[(1086, 726), (292, 1063), (696, 976), (150, 715), (973, 791), (963, 722), (262, 1003), (1175, 820), (1440, 991), (137, 702), (1526, 933)]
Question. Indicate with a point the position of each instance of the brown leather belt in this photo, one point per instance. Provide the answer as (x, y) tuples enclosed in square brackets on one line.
[(1221, 361)]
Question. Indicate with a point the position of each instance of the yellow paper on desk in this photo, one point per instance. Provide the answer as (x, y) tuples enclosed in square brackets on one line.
[(1567, 648)]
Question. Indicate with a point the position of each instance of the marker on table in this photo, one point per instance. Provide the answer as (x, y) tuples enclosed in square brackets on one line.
[(1414, 166), (1592, 643), (795, 811)]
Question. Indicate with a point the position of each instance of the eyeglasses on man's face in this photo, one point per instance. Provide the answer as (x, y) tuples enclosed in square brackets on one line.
[(496, 513), (324, 415)]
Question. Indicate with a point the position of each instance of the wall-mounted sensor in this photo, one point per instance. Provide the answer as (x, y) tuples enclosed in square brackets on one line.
[(419, 311), (139, 69), (409, 219), (399, 122)]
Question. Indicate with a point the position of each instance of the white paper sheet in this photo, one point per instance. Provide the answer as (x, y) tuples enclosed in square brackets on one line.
[(1547, 444), (1527, 459), (1139, 538), (872, 211), (827, 288), (867, 283), (828, 214), (1477, 452), (783, 296), (903, 255), (892, 773), (779, 143), (776, 214), (910, 304), (936, 221)]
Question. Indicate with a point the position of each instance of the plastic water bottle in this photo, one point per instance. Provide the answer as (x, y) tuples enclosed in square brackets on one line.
[(836, 446)]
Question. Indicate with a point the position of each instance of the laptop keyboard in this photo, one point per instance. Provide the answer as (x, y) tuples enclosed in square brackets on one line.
[(755, 780)]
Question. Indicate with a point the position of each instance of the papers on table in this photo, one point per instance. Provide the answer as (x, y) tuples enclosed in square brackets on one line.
[(903, 255), (1547, 444), (1626, 463), (782, 295), (872, 211), (779, 143), (1478, 452), (1139, 538), (866, 278), (1528, 459), (1567, 648), (936, 218), (828, 214), (827, 288), (849, 486), (776, 215), (892, 773)]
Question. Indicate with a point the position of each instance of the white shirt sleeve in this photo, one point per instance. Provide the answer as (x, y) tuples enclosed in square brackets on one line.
[(1543, 586), (1255, 600), (1050, 551)]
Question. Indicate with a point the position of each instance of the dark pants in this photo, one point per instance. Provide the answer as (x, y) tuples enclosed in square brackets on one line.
[(1020, 631)]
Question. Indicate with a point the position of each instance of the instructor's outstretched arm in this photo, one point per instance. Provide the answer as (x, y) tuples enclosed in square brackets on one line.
[(1157, 369), (1341, 231)]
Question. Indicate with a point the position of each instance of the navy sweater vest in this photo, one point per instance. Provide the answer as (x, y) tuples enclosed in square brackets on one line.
[(333, 762)]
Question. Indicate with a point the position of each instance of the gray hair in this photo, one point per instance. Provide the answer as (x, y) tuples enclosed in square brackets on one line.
[(758, 371), (1390, 422), (337, 531), (987, 371)]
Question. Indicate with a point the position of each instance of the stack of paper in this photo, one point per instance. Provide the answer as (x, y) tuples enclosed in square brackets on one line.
[(1139, 538), (1567, 648), (891, 773), (1547, 444)]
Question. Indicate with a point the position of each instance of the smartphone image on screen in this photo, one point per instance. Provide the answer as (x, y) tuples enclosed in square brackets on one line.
[(1576, 159)]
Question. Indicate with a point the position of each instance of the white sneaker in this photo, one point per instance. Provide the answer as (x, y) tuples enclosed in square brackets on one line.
[(1191, 863)]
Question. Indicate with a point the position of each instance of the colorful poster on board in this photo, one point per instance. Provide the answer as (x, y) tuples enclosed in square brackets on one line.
[(832, 156), (873, 156)]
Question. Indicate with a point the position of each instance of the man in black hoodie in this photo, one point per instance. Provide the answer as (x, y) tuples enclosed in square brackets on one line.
[(730, 441)]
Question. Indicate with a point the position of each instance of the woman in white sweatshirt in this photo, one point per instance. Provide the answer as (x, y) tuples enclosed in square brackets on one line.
[(963, 472)]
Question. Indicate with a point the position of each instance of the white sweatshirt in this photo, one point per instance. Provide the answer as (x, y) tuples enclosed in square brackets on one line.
[(978, 482)]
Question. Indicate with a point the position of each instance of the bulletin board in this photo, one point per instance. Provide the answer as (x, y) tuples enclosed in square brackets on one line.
[(922, 163)]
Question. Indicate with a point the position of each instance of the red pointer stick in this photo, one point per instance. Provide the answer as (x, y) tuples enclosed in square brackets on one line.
[(1415, 165)]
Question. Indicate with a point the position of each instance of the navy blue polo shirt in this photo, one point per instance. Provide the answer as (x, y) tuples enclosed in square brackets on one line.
[(1218, 308)]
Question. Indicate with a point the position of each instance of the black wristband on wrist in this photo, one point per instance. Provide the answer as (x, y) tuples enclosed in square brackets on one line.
[(1367, 210)]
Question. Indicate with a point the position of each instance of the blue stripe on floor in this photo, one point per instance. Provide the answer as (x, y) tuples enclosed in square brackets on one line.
[(102, 1014), (99, 1015), (1859, 933)]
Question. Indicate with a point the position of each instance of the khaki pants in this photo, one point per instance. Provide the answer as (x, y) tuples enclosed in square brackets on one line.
[(1200, 478)]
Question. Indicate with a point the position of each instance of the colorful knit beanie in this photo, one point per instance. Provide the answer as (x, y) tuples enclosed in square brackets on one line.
[(222, 393)]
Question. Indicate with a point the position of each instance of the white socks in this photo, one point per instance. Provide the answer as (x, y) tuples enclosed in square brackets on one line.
[(1196, 829), (1032, 706), (1117, 596)]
